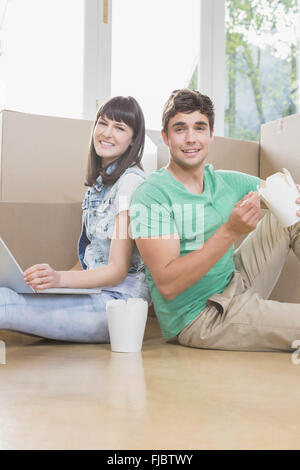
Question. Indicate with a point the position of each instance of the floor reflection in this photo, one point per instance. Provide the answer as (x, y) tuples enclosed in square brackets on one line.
[(125, 383)]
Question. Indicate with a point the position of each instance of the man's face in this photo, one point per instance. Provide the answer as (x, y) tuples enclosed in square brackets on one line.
[(189, 138)]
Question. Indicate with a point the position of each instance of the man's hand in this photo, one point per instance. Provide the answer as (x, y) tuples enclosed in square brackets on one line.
[(245, 215), (42, 276)]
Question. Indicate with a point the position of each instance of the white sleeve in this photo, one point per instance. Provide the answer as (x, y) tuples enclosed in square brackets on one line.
[(128, 185)]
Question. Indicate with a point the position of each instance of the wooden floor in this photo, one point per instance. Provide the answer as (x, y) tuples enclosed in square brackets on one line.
[(73, 396)]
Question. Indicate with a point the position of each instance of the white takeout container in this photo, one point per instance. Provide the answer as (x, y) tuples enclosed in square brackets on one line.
[(126, 324), (280, 196)]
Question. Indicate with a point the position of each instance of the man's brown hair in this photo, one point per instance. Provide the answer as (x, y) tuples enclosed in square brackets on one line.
[(187, 101)]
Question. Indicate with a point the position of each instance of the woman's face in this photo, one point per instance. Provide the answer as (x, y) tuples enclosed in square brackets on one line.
[(111, 139)]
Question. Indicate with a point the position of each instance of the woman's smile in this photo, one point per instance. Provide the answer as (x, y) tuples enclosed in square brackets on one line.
[(111, 139)]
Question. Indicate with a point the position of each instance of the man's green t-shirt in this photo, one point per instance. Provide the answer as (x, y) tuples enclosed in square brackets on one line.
[(162, 205)]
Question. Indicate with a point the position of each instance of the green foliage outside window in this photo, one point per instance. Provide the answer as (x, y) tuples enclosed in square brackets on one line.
[(262, 39)]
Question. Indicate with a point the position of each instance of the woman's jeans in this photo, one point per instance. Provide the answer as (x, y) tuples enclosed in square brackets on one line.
[(77, 318)]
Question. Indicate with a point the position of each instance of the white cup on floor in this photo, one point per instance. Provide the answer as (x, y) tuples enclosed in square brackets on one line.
[(126, 324), (280, 196)]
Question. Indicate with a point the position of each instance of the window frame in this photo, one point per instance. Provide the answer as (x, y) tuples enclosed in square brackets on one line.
[(212, 54), (97, 56)]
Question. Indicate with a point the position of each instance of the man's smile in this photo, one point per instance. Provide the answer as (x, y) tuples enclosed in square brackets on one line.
[(191, 151)]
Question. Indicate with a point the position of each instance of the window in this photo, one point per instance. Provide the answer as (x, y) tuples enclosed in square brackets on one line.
[(41, 61), (155, 49), (261, 77)]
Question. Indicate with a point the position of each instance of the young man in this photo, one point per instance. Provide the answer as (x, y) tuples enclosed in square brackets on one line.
[(185, 219)]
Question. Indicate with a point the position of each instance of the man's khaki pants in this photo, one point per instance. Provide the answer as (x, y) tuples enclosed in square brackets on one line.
[(240, 318)]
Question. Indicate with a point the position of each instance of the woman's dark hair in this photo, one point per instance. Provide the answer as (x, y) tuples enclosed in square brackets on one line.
[(187, 101), (120, 109)]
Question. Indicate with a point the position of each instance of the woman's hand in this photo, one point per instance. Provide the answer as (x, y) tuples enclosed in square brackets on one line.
[(42, 276)]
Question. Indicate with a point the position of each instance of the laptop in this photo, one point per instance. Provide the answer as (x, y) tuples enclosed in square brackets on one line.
[(11, 275)]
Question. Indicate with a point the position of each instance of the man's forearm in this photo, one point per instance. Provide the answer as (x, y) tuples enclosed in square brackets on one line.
[(181, 273)]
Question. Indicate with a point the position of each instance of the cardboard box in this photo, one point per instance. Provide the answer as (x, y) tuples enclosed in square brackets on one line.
[(224, 154), (233, 154), (39, 232), (43, 158), (279, 148)]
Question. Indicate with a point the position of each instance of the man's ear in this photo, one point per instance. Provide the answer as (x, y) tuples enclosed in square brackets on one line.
[(165, 137)]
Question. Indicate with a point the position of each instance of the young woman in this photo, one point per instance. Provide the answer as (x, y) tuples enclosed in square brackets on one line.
[(108, 257)]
